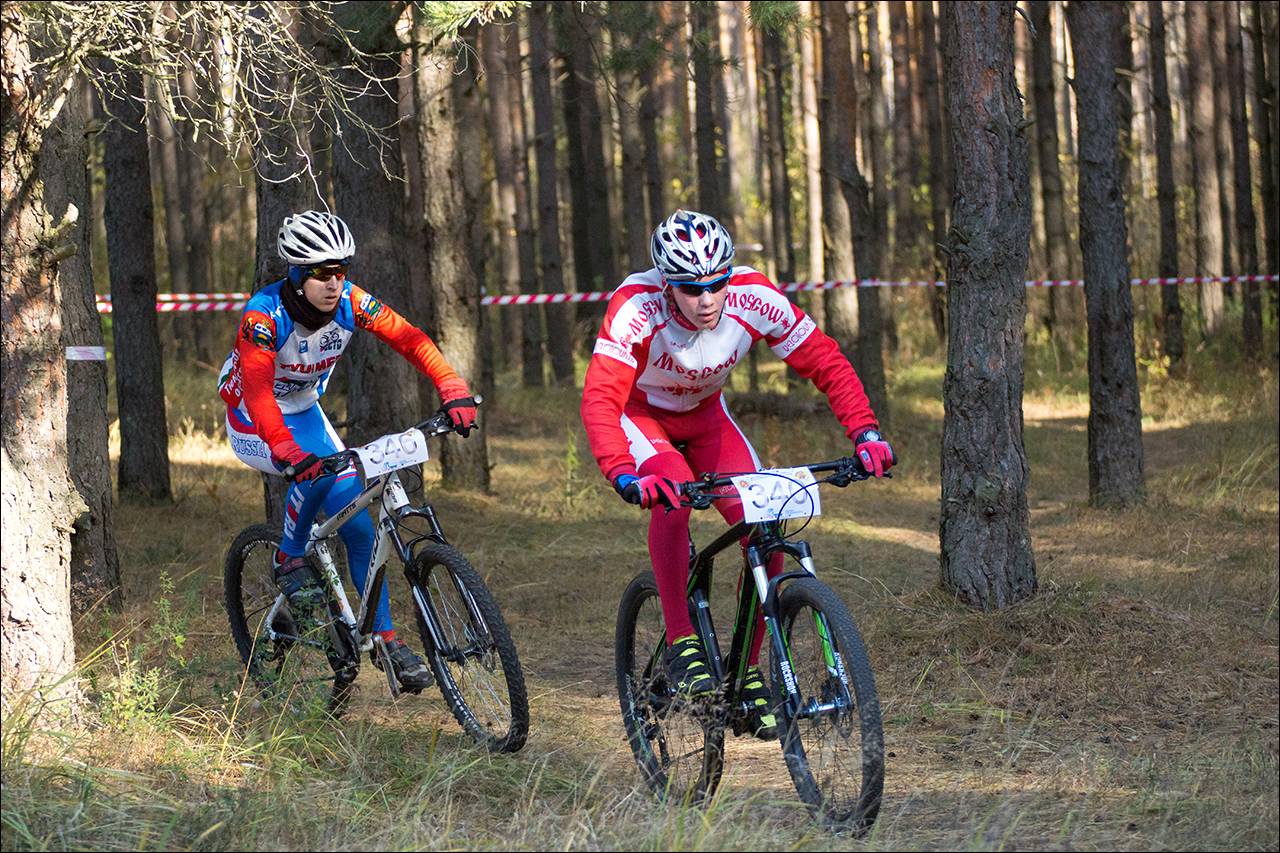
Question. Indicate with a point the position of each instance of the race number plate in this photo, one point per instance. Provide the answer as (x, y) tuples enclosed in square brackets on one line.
[(393, 452), (778, 493)]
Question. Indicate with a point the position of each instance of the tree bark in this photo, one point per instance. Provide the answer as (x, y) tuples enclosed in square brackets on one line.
[(551, 265), (464, 462), (705, 48), (40, 502), (1246, 225), (1115, 412), (846, 205), (532, 360), (95, 566), (144, 437), (906, 224), (631, 26), (878, 116), (1222, 134), (655, 183), (987, 560), (502, 144), (1166, 188), (193, 169), (1204, 167), (1055, 218), (776, 145), (166, 146), (813, 164), (1264, 106), (937, 160)]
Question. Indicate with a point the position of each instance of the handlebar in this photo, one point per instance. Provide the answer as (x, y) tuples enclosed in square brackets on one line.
[(698, 494), (438, 424)]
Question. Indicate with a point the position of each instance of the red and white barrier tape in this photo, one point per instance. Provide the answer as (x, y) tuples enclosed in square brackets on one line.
[(201, 302)]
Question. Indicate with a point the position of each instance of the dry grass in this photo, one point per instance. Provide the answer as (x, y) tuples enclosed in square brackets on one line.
[(1132, 704)]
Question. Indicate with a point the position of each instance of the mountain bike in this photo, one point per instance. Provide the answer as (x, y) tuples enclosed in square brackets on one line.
[(824, 692), (310, 660)]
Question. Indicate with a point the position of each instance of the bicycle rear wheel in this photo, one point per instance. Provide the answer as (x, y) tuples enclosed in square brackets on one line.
[(304, 660), (678, 743), (474, 658), (834, 747)]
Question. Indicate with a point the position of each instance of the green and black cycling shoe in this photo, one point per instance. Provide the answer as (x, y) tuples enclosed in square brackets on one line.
[(408, 668), (760, 719), (687, 668)]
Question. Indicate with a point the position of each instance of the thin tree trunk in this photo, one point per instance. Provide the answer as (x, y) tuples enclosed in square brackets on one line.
[(1055, 219), (938, 200), (166, 147), (987, 559), (705, 48), (1115, 411), (502, 144), (40, 502), (1264, 107), (559, 322), (879, 126), (532, 360), (144, 438), (1204, 167), (846, 204), (1166, 187), (813, 165), (464, 462), (655, 190), (906, 224), (95, 567), (192, 171), (1246, 225), (1222, 135), (630, 29), (776, 145), (679, 95)]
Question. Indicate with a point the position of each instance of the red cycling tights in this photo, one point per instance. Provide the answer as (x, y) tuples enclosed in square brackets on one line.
[(712, 442)]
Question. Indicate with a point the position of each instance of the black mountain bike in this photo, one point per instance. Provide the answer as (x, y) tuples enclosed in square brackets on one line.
[(824, 693), (311, 660)]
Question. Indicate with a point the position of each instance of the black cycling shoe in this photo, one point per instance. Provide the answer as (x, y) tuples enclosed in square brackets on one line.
[(687, 668), (300, 583), (408, 668), (761, 721)]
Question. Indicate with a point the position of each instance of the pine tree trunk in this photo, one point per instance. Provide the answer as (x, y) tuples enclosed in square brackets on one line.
[(144, 438), (987, 559), (1246, 236), (1204, 167), (382, 387), (817, 270), (654, 182), (705, 48), (532, 359), (559, 317), (191, 177), (166, 147), (502, 144), (1166, 188), (627, 40), (40, 502), (906, 224), (1055, 219), (878, 115), (932, 97), (1264, 107), (1222, 136), (776, 145), (1115, 412), (464, 462), (846, 205), (95, 567)]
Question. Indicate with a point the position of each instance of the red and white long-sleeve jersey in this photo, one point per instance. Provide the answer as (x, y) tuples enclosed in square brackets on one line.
[(647, 354)]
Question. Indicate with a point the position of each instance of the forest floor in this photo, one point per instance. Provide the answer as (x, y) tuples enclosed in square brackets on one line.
[(1131, 704)]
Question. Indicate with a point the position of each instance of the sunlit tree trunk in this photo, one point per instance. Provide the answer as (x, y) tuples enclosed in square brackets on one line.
[(1204, 167), (1264, 107), (1046, 130), (987, 560), (1166, 187), (1246, 236), (1115, 412), (776, 145), (813, 165), (1222, 134), (705, 47), (932, 97)]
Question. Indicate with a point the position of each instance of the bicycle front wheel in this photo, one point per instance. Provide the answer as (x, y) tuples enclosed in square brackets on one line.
[(678, 743), (834, 745), (471, 651), (304, 660)]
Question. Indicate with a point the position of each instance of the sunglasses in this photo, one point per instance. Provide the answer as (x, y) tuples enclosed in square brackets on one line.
[(697, 288), (327, 271)]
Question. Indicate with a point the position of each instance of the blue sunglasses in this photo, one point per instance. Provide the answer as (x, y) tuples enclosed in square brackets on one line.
[(697, 288)]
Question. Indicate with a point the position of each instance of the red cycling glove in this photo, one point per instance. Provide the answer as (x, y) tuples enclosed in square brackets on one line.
[(455, 398), (648, 491), (875, 454), (306, 466)]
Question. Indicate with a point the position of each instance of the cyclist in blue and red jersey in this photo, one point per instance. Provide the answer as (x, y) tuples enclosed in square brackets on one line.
[(292, 333), (669, 338)]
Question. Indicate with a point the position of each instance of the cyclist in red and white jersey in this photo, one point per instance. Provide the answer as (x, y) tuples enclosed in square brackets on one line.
[(669, 339)]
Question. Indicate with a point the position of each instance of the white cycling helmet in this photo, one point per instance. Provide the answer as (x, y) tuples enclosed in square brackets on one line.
[(688, 244), (314, 237)]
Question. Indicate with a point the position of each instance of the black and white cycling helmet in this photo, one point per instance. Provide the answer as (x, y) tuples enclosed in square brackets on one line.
[(688, 244), (314, 237)]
